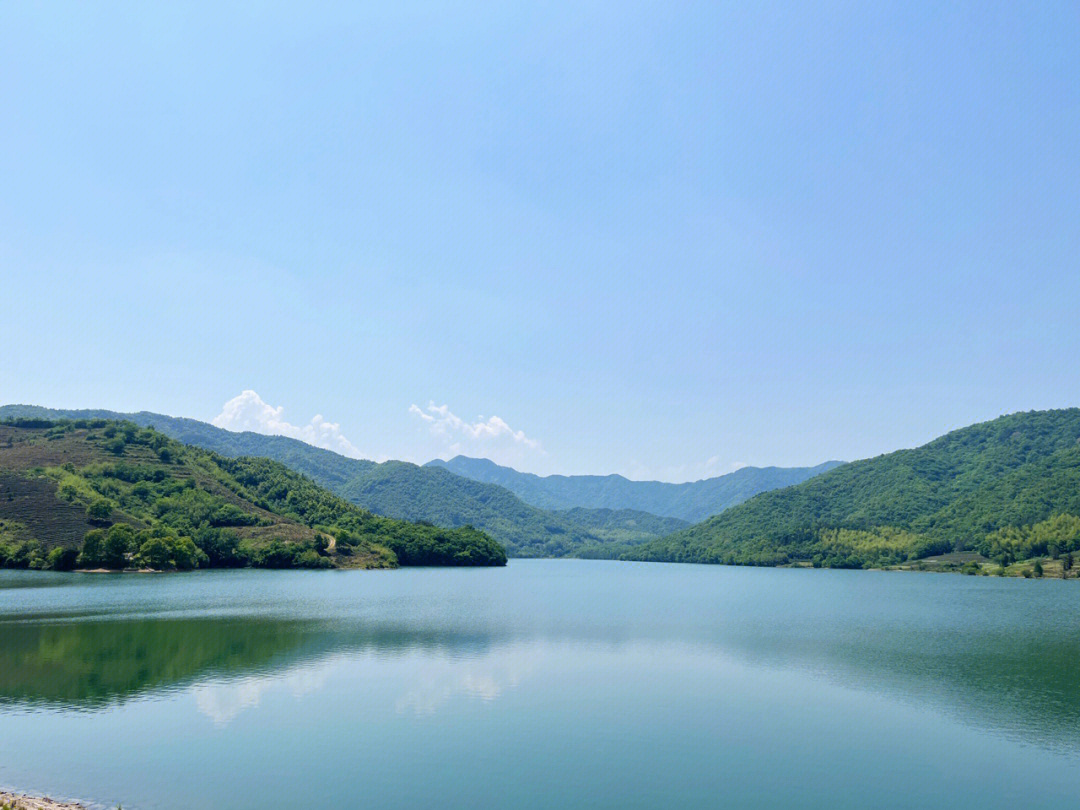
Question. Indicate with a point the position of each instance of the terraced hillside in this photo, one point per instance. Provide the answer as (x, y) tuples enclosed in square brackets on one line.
[(101, 493)]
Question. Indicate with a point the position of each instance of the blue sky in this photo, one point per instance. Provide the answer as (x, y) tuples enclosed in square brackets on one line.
[(661, 239)]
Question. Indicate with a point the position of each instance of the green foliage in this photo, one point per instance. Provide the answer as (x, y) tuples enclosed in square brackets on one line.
[(1061, 532), (27, 554), (286, 555), (1008, 489), (283, 491), (115, 446), (62, 559), (166, 506), (164, 551), (99, 509), (108, 548), (426, 494)]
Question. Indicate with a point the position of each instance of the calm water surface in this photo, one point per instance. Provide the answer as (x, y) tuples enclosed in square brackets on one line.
[(548, 684)]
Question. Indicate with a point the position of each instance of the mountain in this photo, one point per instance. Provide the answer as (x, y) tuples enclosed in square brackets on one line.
[(1007, 490), (100, 493), (612, 530), (401, 490), (691, 502)]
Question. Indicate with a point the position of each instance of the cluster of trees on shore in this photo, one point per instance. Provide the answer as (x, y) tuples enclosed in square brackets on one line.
[(122, 547)]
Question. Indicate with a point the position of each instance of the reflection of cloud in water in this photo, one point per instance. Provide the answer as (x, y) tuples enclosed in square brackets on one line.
[(222, 701), (431, 683), (440, 680)]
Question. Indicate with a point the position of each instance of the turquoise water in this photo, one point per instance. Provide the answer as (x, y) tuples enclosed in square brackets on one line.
[(547, 684)]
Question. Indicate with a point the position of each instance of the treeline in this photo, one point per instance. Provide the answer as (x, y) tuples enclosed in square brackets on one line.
[(155, 503), (121, 547)]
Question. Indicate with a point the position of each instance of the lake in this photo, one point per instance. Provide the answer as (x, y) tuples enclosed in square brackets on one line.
[(547, 684)]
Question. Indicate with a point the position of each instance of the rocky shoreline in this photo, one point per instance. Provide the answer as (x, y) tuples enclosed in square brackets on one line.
[(17, 801)]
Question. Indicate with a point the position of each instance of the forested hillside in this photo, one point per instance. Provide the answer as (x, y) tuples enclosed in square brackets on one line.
[(1008, 490), (401, 490), (95, 493), (692, 502)]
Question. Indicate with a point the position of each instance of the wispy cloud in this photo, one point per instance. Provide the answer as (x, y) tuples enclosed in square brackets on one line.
[(485, 434), (249, 412)]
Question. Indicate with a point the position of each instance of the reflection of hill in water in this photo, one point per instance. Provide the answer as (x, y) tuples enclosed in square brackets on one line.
[(1006, 679), (1013, 680), (1013, 670), (90, 663)]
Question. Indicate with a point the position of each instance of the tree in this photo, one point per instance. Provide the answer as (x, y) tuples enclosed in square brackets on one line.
[(186, 555), (93, 550), (62, 559), (1037, 570), (118, 542), (99, 509), (154, 553)]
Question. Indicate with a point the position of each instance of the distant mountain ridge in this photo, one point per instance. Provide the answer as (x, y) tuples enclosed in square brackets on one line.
[(693, 501)]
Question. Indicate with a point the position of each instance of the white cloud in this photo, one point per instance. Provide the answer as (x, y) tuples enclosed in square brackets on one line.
[(493, 429), (249, 412)]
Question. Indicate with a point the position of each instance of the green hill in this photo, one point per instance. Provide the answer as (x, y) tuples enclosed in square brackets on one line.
[(97, 493), (1007, 490), (614, 530), (692, 501), (399, 489)]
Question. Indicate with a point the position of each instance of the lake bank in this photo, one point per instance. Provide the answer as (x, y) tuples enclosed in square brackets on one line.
[(20, 801)]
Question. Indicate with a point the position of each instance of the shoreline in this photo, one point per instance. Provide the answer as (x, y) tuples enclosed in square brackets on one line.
[(22, 801)]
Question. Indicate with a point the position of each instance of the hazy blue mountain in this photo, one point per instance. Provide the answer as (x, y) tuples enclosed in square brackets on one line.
[(691, 502)]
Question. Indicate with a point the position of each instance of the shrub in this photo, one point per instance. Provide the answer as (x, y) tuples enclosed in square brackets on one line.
[(311, 559), (274, 555), (186, 555), (62, 559), (100, 509)]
